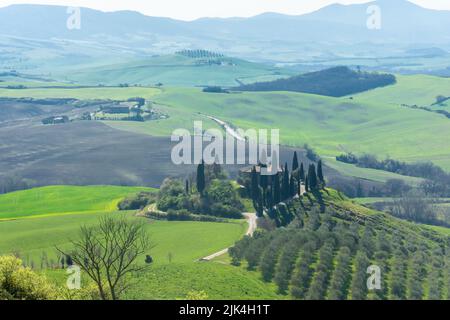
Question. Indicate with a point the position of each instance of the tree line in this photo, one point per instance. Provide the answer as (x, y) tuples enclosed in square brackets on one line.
[(200, 54), (437, 180)]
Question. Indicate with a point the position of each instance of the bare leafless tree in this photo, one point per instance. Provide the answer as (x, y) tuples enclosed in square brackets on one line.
[(108, 253)]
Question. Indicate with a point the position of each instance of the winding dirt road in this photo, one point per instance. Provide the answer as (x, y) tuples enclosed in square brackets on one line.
[(252, 225)]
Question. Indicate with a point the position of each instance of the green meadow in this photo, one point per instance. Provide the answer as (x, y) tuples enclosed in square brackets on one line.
[(370, 122), (92, 93), (175, 281), (62, 200), (177, 246), (420, 90), (183, 241), (178, 70), (218, 281), (330, 125), (370, 174)]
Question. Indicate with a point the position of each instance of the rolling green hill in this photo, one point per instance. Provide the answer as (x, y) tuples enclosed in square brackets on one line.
[(420, 90), (369, 174), (63, 200), (178, 70), (175, 271), (187, 241), (326, 252), (371, 122), (91, 93), (331, 125)]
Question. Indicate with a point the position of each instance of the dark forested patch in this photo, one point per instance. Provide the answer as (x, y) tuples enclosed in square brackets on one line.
[(335, 82)]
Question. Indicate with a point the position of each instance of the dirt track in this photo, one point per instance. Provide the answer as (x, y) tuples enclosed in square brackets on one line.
[(252, 225)]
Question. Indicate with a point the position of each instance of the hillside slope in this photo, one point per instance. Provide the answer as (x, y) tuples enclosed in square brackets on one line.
[(331, 125), (331, 243), (178, 70)]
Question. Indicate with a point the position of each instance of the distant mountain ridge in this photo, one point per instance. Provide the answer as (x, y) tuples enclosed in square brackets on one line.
[(335, 30), (398, 16)]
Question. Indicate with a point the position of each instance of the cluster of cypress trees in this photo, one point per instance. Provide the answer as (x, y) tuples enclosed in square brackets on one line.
[(268, 191)]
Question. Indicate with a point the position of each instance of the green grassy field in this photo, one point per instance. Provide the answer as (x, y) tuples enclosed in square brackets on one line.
[(34, 84), (218, 281), (370, 174), (115, 93), (57, 200), (331, 125), (373, 122), (371, 200), (186, 241), (177, 247), (420, 90), (177, 70), (174, 281)]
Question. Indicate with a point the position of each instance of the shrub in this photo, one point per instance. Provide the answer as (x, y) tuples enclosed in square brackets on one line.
[(137, 202), (20, 283), (215, 90)]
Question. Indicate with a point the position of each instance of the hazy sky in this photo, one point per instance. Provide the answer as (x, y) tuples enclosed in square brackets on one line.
[(192, 9)]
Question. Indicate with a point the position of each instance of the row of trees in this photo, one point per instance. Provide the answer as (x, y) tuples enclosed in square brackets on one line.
[(328, 258), (268, 191), (437, 181), (199, 53)]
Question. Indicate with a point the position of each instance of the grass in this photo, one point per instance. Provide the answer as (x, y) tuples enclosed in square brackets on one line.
[(184, 241), (57, 200), (373, 122), (177, 70), (174, 281), (369, 174), (177, 245), (442, 230), (82, 93), (371, 200), (420, 90), (218, 281), (35, 84), (175, 270), (331, 125)]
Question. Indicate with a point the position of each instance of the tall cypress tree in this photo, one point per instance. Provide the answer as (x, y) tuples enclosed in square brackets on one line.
[(187, 187), (286, 184), (255, 186), (292, 187), (269, 198), (312, 177), (260, 204), (306, 184), (201, 183), (264, 183), (302, 173), (320, 173), (276, 189), (295, 162)]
